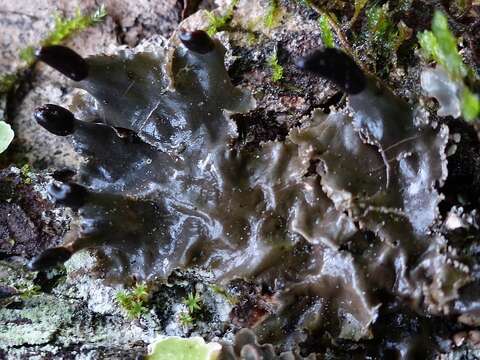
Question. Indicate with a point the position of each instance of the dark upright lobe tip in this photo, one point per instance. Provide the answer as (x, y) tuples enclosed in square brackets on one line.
[(197, 41), (56, 119), (64, 60), (69, 194), (336, 66), (50, 258), (63, 175)]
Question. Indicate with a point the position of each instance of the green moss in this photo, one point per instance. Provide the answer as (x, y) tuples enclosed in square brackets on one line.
[(28, 291), (273, 14), (219, 23), (382, 36), (185, 319), (194, 305), (63, 29), (378, 22), (440, 45), (276, 68), (470, 104), (176, 348), (134, 302), (25, 172), (193, 302), (326, 31), (381, 29), (7, 81)]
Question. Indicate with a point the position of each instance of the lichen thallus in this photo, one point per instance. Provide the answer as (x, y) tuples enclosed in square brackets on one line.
[(329, 63)]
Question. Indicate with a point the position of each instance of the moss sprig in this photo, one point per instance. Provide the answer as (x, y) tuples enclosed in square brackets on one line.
[(275, 67), (326, 31), (441, 46), (193, 302), (135, 301), (382, 33), (218, 23), (272, 15), (185, 319), (64, 28)]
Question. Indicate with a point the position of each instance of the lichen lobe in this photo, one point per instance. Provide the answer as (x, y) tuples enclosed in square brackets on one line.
[(166, 190)]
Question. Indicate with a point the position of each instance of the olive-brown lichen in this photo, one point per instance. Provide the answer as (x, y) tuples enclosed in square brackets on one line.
[(162, 188)]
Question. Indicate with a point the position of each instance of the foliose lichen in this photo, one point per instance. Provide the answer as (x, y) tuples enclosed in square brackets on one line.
[(330, 220)]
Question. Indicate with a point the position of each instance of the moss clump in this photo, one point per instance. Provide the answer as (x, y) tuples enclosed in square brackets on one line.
[(28, 291), (470, 105), (26, 173), (276, 68), (440, 45), (134, 302), (65, 28), (382, 34), (7, 81), (193, 302), (185, 319), (219, 23), (273, 14), (326, 31)]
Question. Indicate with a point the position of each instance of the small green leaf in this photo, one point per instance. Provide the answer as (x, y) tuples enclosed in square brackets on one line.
[(219, 23), (277, 69), (326, 31), (63, 29), (6, 136), (177, 348), (440, 45), (470, 105)]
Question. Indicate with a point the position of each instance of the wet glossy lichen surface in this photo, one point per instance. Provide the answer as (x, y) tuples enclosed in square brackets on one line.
[(336, 218)]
